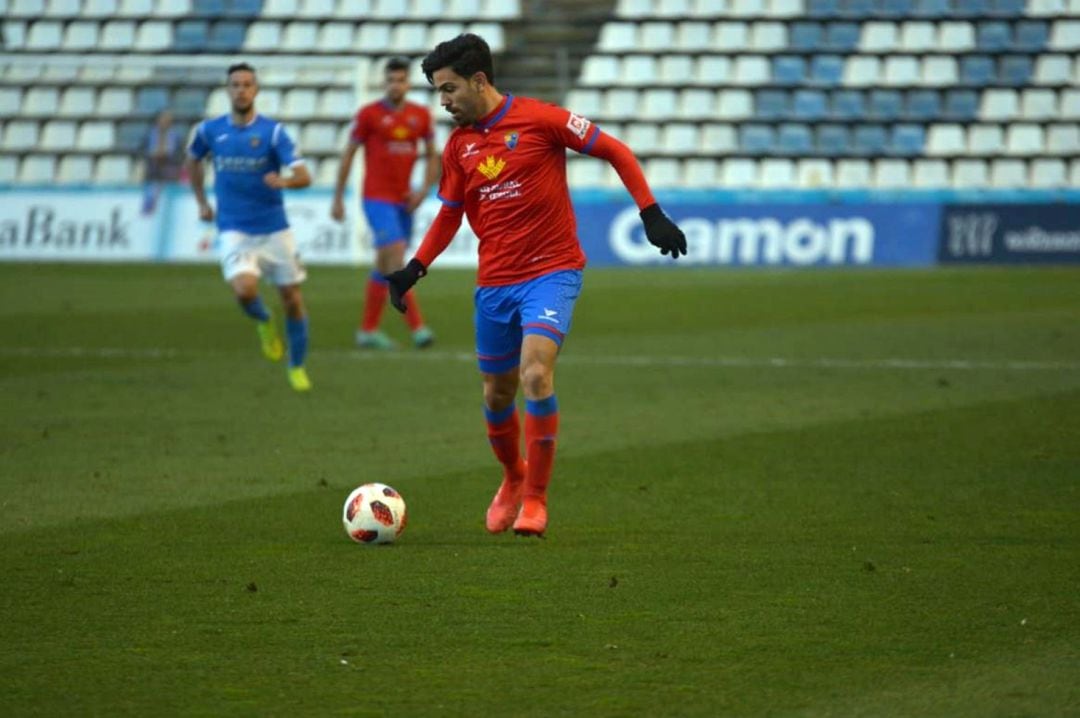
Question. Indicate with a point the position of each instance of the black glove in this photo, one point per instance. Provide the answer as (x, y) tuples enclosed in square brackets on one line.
[(402, 281), (662, 232)]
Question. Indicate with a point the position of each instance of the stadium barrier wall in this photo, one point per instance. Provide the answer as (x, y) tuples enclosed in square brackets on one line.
[(723, 229)]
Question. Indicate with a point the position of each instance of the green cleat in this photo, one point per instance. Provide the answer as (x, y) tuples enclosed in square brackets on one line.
[(272, 348), (298, 379), (423, 337), (374, 340)]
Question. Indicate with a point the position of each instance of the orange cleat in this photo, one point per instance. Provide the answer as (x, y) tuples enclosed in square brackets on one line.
[(532, 519), (503, 508)]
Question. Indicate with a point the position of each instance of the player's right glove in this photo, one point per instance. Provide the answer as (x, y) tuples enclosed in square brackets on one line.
[(662, 232), (403, 280)]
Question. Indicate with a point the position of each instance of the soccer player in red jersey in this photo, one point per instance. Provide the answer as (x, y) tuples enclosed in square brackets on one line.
[(505, 167), (390, 131)]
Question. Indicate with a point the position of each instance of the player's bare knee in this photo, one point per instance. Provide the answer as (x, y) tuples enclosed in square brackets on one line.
[(538, 380), (500, 390)]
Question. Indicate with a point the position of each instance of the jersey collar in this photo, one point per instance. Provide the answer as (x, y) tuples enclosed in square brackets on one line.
[(495, 115)]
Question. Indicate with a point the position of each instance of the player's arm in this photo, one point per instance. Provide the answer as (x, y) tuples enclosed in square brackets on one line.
[(661, 232), (431, 174), (337, 207), (283, 146), (197, 150), (438, 237)]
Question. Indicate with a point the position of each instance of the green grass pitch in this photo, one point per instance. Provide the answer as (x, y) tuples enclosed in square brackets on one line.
[(815, 493)]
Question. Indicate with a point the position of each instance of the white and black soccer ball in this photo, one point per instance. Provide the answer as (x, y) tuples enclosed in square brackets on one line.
[(374, 513)]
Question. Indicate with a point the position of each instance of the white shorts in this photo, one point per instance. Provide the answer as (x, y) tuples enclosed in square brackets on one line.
[(273, 255)]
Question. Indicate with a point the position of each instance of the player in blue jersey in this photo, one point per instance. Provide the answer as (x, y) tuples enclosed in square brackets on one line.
[(249, 153)]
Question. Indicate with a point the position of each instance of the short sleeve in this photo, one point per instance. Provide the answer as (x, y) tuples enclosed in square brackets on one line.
[(569, 129), (452, 181), (198, 147), (284, 147)]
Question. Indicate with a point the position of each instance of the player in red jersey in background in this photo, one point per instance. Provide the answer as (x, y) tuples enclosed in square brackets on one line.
[(505, 167), (390, 130)]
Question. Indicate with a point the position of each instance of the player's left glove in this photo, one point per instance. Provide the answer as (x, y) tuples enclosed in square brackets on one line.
[(403, 280), (662, 232)]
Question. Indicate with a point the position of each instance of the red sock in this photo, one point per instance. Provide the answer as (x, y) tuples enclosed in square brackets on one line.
[(374, 301), (505, 438), (412, 312), (540, 432)]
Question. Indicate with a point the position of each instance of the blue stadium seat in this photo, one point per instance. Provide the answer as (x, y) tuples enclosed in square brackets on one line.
[(833, 140), (857, 9), (243, 8), (932, 8), (130, 135), (842, 36), (1031, 36), (896, 8), (961, 104), (151, 100), (907, 140), (847, 104), (885, 105), (827, 69), (191, 35), (190, 102), (809, 105), (923, 105), (822, 8), (993, 36), (227, 35), (211, 8), (795, 139), (805, 36), (869, 140), (757, 139), (974, 8), (1015, 69), (977, 70), (1007, 8), (771, 104), (788, 70)]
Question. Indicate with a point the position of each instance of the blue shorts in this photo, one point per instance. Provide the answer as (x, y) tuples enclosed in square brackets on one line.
[(388, 220), (504, 315)]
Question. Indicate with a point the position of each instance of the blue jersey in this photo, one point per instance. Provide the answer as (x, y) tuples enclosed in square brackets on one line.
[(242, 155)]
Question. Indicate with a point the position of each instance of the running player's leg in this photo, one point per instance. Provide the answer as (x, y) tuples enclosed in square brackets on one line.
[(382, 220), (286, 271), (498, 342), (546, 314), (240, 268)]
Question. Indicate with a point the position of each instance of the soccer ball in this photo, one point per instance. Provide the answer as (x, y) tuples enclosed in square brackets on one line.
[(374, 513)]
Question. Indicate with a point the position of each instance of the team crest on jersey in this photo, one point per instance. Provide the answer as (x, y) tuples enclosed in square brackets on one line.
[(511, 139), (491, 166), (578, 125), (400, 132), (255, 141)]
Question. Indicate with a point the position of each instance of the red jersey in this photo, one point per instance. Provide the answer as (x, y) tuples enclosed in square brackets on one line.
[(509, 172), (390, 137)]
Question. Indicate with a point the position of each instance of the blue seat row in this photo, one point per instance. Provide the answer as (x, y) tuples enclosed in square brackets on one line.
[(828, 70), (200, 35), (227, 8), (922, 105), (799, 139), (990, 36), (869, 9)]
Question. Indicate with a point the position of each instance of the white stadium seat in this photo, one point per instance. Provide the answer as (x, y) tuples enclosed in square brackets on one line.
[(58, 135), (336, 37), (956, 37), (10, 101), (699, 172), (1070, 104), (37, 169), (1024, 139), (585, 102), (656, 35), (80, 36), (299, 102), (930, 174), (985, 140), (9, 169), (735, 104), (1065, 35), (814, 174), (315, 9), (618, 37), (939, 71), (1039, 104), (879, 37), (281, 8), (409, 37), (117, 35), (675, 69), (600, 70), (891, 174), (99, 8), (999, 105), (945, 139), (638, 70), (1008, 174), (153, 35), (731, 36), (62, 8), (1063, 139), (337, 103), (77, 101), (969, 174), (622, 102), (41, 101), (20, 135), (768, 36), (719, 138), (374, 37), (694, 35), (713, 70), (861, 71), (776, 174), (918, 36), (463, 9), (44, 35), (752, 70), (1047, 174), (136, 8), (1053, 70), (901, 70), (738, 173), (658, 103), (663, 172), (852, 174), (643, 137), (300, 37), (75, 169), (697, 102)]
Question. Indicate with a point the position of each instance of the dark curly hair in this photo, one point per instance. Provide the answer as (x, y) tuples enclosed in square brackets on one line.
[(466, 55)]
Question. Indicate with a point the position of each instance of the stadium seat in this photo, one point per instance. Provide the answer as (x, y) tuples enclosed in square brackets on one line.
[(680, 138), (907, 140), (191, 35), (879, 37), (281, 8), (675, 69), (638, 70), (58, 135), (1006, 8), (1024, 139), (75, 169), (858, 9), (772, 104), (794, 139), (656, 36), (298, 103), (1008, 174), (696, 102), (862, 71), (618, 37), (463, 9), (745, 8), (337, 103), (602, 70), (946, 139), (585, 172), (714, 70), (663, 172), (699, 172), (412, 37), (892, 174), (809, 104), (217, 103), (151, 100), (977, 70), (814, 174), (80, 36), (1063, 139), (99, 8), (658, 103), (9, 169), (768, 36), (502, 10), (993, 36), (847, 104), (923, 105), (1053, 70), (785, 8), (939, 71), (738, 173), (751, 70), (300, 37), (41, 102), (841, 36), (37, 169), (621, 102), (131, 135), (10, 101), (823, 8), (852, 174), (757, 139), (833, 140), (263, 36), (1038, 104), (1065, 35), (721, 139), (229, 35), (180, 8), (788, 70), (885, 104), (999, 105), (961, 104), (319, 138), (318, 9), (77, 101), (644, 137), (585, 102), (20, 135), (1031, 36), (1015, 70), (336, 37), (136, 8), (243, 8), (1070, 104), (826, 70), (440, 31), (1039, 8), (59, 8), (956, 36), (869, 140), (1047, 174), (776, 173), (693, 35), (735, 104), (985, 140), (117, 35), (901, 70), (153, 36), (918, 37), (806, 36), (930, 174), (268, 102), (191, 101)]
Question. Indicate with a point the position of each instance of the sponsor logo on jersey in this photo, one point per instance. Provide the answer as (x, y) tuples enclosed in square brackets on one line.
[(255, 141), (511, 140), (578, 125), (470, 150), (400, 132), (491, 167)]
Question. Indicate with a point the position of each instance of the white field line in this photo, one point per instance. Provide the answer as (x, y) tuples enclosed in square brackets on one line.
[(889, 363)]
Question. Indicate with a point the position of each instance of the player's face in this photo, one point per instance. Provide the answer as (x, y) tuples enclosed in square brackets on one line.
[(242, 89), (397, 84), (459, 96)]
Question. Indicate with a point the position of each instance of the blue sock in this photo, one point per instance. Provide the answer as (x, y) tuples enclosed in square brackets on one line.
[(297, 331), (256, 309), (377, 278)]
